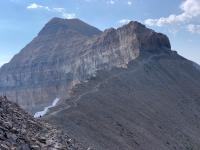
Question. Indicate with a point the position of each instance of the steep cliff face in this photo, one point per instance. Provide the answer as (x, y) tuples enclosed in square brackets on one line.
[(66, 52)]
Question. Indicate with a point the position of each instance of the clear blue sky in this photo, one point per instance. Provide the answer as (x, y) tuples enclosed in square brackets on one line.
[(21, 20)]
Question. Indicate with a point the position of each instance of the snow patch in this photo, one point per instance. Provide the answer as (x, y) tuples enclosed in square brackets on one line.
[(42, 113)]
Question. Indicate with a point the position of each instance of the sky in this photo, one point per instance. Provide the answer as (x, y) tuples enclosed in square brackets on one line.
[(21, 20)]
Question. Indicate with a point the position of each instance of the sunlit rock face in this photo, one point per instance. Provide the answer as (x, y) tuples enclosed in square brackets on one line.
[(67, 52)]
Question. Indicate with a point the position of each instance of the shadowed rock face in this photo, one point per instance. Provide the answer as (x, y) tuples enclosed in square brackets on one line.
[(67, 52)]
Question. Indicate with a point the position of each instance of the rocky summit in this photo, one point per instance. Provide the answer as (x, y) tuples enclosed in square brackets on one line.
[(67, 52), (20, 131)]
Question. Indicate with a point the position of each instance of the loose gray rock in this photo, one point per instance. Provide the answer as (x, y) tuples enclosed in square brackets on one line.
[(20, 131)]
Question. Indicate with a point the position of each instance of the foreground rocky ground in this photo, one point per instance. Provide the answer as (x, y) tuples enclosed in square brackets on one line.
[(19, 130)]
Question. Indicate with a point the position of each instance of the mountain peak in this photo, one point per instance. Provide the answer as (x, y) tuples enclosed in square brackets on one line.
[(58, 24), (136, 24), (149, 39), (146, 38), (62, 20)]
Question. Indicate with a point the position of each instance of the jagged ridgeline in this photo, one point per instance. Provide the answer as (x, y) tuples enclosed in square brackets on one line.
[(67, 52)]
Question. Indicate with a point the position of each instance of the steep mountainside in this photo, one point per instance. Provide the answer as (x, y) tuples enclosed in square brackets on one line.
[(66, 52), (20, 131), (134, 92), (154, 104)]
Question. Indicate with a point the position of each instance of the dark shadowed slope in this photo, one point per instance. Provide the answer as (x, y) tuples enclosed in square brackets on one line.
[(154, 104)]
